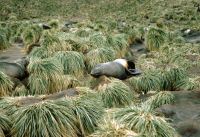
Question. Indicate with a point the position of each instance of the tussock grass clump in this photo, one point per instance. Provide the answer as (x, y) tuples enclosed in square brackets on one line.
[(84, 109), (8, 31), (87, 114), (87, 92), (8, 105), (39, 52), (4, 43), (51, 42), (54, 23), (146, 82), (31, 35), (46, 76), (98, 39), (70, 81), (114, 93), (159, 99), (6, 85), (82, 33), (110, 128), (36, 120), (118, 43), (38, 85), (13, 27), (79, 44), (20, 90), (191, 84), (155, 38), (99, 55), (5, 124), (72, 62), (173, 79), (144, 121), (45, 67)]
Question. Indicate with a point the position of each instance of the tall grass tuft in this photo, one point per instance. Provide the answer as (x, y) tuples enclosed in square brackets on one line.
[(72, 62), (98, 39), (87, 114), (6, 85), (20, 90), (46, 76), (159, 99), (99, 55), (155, 38), (110, 128), (70, 81), (115, 93), (144, 121), (31, 35), (191, 84), (44, 119), (51, 42), (39, 52), (54, 23), (118, 43), (8, 105), (173, 79), (146, 82), (5, 124), (4, 41)]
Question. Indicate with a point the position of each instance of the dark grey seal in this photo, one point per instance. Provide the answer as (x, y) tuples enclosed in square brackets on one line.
[(15, 69), (119, 68)]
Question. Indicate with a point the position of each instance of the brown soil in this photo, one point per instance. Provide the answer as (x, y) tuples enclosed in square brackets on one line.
[(30, 100)]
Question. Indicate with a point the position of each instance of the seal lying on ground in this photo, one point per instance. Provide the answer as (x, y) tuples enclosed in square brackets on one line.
[(15, 69), (119, 68)]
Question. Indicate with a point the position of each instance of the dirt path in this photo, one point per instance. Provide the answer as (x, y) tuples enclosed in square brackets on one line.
[(13, 53)]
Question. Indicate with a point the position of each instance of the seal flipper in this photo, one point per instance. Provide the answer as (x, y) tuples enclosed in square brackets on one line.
[(133, 72)]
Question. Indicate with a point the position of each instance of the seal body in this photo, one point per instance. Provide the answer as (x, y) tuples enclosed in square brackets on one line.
[(119, 68), (110, 69), (14, 69)]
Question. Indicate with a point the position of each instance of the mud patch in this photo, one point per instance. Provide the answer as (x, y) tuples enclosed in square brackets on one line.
[(185, 113), (13, 53), (138, 48)]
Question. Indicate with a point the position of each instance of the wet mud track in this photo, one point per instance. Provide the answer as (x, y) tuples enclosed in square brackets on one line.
[(13, 53)]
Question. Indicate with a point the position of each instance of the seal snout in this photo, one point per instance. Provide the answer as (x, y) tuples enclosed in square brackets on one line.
[(95, 73)]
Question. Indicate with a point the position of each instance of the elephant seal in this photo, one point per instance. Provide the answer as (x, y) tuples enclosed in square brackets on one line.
[(15, 69), (119, 68)]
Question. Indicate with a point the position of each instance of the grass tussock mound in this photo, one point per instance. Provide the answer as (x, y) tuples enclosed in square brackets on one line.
[(6, 85), (46, 113), (135, 118), (46, 76), (115, 93), (72, 62)]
